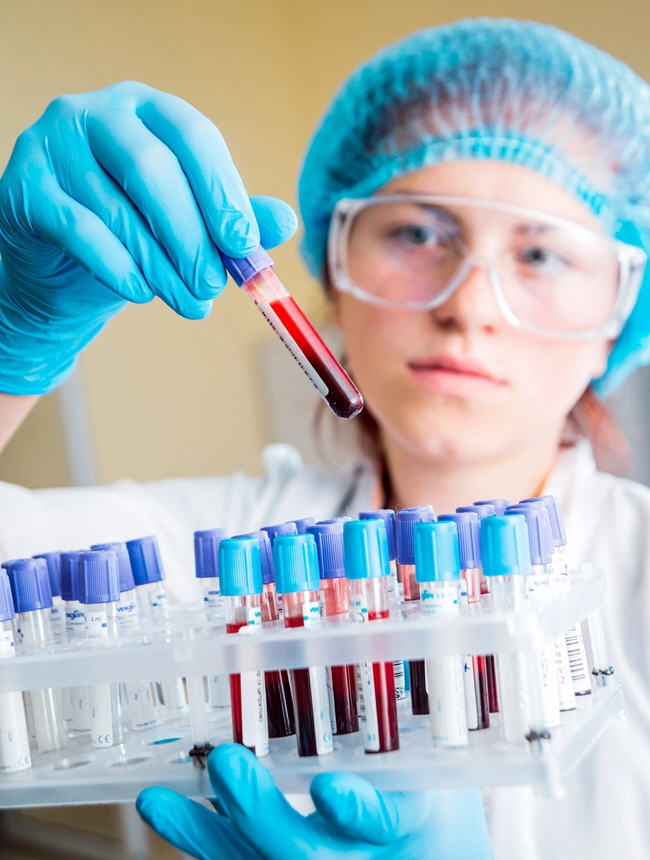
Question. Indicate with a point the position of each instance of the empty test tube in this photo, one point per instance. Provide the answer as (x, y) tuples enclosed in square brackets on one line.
[(438, 572), (240, 573), (75, 699), (297, 579), (468, 525), (57, 613), (506, 562), (99, 593), (30, 589), (335, 591), (14, 736), (127, 605), (206, 566), (256, 276), (368, 570)]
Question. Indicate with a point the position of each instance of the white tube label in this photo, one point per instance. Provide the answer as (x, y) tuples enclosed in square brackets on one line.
[(101, 716), (366, 685), (255, 732), (158, 602), (127, 612), (14, 737), (142, 711)]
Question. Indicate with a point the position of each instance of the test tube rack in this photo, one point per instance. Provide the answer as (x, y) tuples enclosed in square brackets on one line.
[(189, 646)]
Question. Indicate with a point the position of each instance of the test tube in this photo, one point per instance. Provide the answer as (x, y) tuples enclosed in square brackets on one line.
[(538, 587), (388, 516), (335, 591), (57, 613), (99, 594), (30, 589), (279, 701), (506, 562), (295, 560), (405, 520), (240, 574), (127, 605), (272, 532), (499, 505), (255, 274), (542, 588), (368, 569), (206, 560), (75, 699), (580, 675), (482, 511), (438, 573), (14, 736), (303, 524), (468, 526)]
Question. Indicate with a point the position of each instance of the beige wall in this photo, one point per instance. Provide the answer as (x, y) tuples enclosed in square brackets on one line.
[(167, 396)]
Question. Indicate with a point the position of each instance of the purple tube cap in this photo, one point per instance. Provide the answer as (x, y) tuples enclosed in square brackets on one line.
[(145, 560), (280, 529), (388, 516), (540, 537), (266, 554), (7, 611), (70, 574), (469, 537), (127, 582), (499, 505), (206, 552), (243, 269), (30, 584), (482, 511), (99, 577), (405, 519), (329, 546), (53, 562)]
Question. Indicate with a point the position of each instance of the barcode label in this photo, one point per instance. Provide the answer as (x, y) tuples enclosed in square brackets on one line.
[(577, 660), (400, 686)]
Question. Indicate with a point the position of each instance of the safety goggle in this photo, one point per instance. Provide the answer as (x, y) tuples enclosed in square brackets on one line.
[(548, 274)]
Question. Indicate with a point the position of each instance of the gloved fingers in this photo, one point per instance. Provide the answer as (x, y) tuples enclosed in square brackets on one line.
[(206, 161), (276, 220), (255, 806), (99, 192), (191, 827), (154, 181), (358, 810)]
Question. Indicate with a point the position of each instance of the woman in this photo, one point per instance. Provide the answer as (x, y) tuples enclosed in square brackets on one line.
[(487, 276)]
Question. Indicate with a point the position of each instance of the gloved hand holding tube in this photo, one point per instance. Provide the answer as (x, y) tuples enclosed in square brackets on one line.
[(353, 820), (115, 196)]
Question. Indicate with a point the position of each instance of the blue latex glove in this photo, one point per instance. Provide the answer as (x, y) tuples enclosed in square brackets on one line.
[(353, 820), (115, 196)]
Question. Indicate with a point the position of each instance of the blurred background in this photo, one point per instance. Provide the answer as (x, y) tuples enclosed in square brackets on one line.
[(158, 396)]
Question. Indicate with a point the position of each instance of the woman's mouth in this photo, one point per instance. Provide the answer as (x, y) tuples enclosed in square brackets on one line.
[(458, 377)]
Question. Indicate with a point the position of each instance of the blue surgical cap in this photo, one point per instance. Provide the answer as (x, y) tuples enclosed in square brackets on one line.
[(515, 91)]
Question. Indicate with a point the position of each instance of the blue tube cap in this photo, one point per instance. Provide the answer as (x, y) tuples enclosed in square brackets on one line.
[(539, 530), (303, 524), (206, 552), (481, 511), (295, 559), (127, 582), (404, 522), (280, 529), (70, 574), (242, 270), (437, 557), (504, 546), (388, 516), (365, 546), (499, 505), (7, 611), (329, 546), (99, 577), (30, 584), (266, 554), (53, 562), (240, 567), (145, 558), (469, 540)]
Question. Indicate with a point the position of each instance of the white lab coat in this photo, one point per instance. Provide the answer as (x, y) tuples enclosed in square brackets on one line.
[(606, 813)]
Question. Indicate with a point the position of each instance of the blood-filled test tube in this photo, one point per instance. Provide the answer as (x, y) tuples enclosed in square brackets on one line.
[(127, 610), (557, 687), (240, 574), (468, 525), (506, 562), (298, 580), (437, 566), (57, 613), (405, 520), (99, 593), (368, 570), (279, 701), (30, 590), (14, 736), (256, 276), (149, 576), (341, 680), (206, 567), (580, 674), (274, 531)]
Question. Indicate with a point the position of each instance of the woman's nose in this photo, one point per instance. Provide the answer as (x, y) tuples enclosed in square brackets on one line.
[(472, 306)]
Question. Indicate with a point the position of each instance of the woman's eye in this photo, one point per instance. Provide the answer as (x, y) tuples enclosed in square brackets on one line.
[(418, 235), (542, 259)]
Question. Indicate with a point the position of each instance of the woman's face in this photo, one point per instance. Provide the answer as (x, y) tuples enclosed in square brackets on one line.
[(459, 382)]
